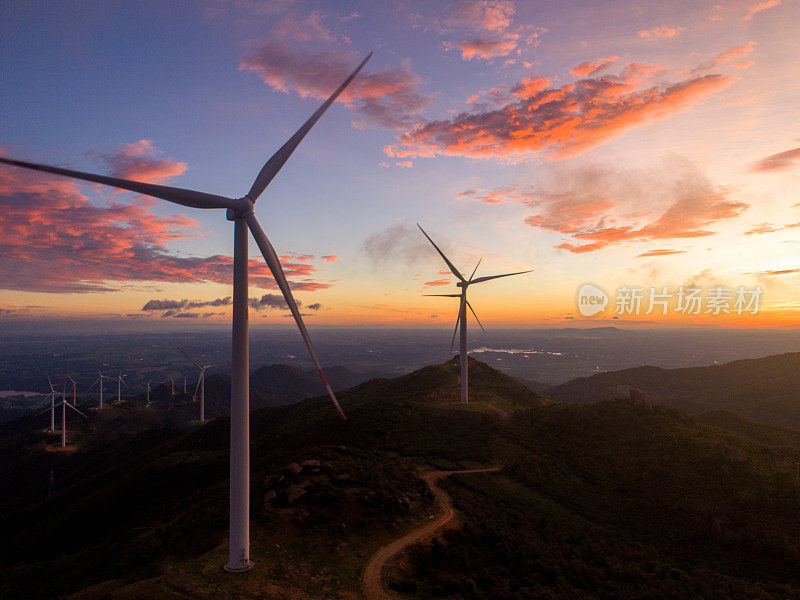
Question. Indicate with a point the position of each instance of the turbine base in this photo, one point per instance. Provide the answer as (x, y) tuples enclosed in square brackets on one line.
[(239, 567)]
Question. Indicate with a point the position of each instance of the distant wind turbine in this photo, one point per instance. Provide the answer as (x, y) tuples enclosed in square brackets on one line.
[(462, 311), (172, 384), (64, 405), (100, 381), (120, 383), (52, 406), (147, 404), (240, 211), (201, 383)]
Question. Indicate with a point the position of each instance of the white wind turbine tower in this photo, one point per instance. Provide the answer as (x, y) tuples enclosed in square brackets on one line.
[(240, 211), (100, 381), (64, 405), (148, 394), (172, 383), (201, 383), (52, 406), (120, 383), (462, 311), (184, 384), (74, 388)]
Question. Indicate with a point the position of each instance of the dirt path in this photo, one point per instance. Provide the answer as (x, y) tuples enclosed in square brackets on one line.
[(372, 583)]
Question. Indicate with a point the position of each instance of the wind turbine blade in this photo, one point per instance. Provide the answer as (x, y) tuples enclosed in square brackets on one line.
[(52, 389), (189, 357), (449, 264), (490, 277), (91, 386), (197, 387), (206, 367), (76, 410), (443, 295), (476, 316), (171, 194), (276, 162), (277, 272), (476, 268), (455, 330)]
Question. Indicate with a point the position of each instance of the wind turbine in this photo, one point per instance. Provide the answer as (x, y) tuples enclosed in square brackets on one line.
[(147, 404), (201, 383), (100, 381), (462, 311), (52, 406), (240, 211), (64, 405), (74, 386), (120, 383), (172, 383)]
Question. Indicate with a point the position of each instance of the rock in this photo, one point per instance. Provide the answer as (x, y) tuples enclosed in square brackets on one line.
[(268, 498), (310, 464), (293, 468), (294, 492), (342, 477)]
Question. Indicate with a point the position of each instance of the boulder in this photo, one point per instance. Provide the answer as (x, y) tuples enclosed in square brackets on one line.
[(293, 468), (294, 492), (310, 464), (342, 477)]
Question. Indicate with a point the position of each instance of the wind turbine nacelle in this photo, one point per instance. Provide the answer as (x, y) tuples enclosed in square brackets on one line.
[(462, 284)]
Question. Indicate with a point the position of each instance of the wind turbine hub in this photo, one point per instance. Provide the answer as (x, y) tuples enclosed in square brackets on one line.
[(243, 209)]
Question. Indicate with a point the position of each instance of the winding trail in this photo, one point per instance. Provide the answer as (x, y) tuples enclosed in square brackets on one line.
[(372, 583)]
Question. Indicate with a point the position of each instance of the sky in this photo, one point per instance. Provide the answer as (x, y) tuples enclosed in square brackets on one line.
[(640, 146)]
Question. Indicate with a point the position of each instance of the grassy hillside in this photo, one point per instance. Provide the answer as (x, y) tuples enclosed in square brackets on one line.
[(610, 500), (766, 390)]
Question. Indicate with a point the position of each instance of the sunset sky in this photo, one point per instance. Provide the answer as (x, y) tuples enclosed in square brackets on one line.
[(618, 143)]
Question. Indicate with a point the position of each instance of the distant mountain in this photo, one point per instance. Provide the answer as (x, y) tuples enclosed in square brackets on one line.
[(766, 390)]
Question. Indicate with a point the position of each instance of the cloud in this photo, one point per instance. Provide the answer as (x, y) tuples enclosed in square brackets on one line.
[(309, 28), (330, 257), (56, 240), (561, 121), (659, 253), (187, 315), (398, 243), (138, 161), (776, 162), (389, 97), (268, 301), (597, 207), (757, 8), (173, 304), (404, 164), (315, 306), (437, 282), (725, 57), (762, 228), (480, 15), (663, 31), (593, 66), (483, 49), (770, 273), (500, 195)]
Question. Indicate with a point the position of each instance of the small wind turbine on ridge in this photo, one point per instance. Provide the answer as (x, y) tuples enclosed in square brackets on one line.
[(462, 311), (201, 383), (64, 405), (240, 211)]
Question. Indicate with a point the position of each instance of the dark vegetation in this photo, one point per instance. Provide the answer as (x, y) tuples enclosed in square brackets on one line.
[(616, 499), (765, 390)]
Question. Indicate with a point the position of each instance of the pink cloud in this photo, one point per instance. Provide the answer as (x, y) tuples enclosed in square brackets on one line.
[(499, 195), (330, 257), (776, 162), (138, 161), (484, 49), (725, 57), (389, 97), (663, 31), (593, 66), (437, 282), (404, 164), (563, 121), (56, 240), (757, 8)]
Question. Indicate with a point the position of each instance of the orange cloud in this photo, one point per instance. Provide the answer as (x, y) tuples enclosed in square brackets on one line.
[(776, 162), (481, 15), (437, 282), (563, 121), (662, 31), (659, 253), (499, 195), (483, 49), (138, 161), (725, 57), (757, 8), (330, 257), (593, 66), (310, 28)]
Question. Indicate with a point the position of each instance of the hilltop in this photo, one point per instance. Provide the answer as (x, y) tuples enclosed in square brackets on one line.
[(609, 500), (762, 389)]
